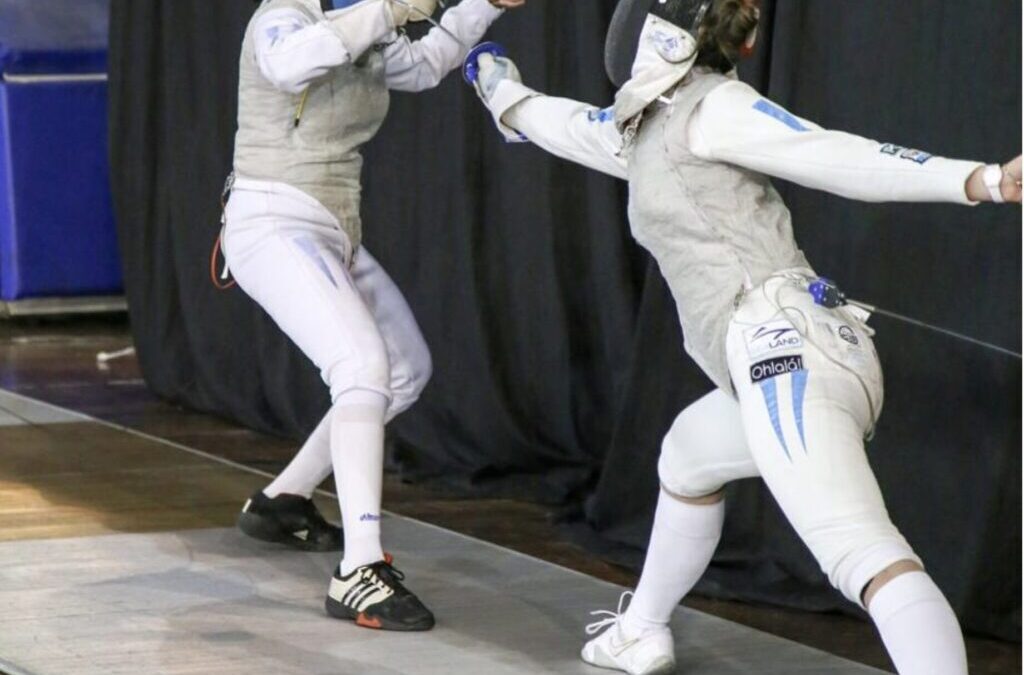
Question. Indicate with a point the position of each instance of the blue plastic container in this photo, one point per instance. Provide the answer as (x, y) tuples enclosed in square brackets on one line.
[(57, 236)]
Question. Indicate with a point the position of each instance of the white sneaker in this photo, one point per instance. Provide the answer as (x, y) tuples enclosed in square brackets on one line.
[(648, 653)]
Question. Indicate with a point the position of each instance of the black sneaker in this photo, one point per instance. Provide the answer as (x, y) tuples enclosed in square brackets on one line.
[(291, 520), (373, 596)]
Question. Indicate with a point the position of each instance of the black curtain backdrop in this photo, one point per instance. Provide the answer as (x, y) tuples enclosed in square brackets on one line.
[(558, 359)]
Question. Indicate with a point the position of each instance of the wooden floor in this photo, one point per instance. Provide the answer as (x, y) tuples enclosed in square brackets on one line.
[(128, 491)]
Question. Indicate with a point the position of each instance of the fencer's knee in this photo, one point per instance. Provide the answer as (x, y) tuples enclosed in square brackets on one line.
[(367, 369), (860, 557), (421, 369), (686, 468), (410, 378), (705, 449), (705, 500), (897, 569), (683, 480)]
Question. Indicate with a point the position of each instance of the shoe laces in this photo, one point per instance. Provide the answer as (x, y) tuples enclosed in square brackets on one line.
[(385, 577), (371, 576), (610, 617)]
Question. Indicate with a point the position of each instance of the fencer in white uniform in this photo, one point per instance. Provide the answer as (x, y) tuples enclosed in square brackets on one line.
[(799, 383), (313, 88)]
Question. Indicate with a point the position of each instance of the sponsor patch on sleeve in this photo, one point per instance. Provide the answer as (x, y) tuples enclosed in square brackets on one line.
[(772, 337), (605, 115), (919, 156), (780, 365), (909, 154)]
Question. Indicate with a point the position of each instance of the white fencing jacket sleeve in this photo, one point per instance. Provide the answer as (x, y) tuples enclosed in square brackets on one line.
[(419, 65), (736, 125), (293, 49), (568, 129)]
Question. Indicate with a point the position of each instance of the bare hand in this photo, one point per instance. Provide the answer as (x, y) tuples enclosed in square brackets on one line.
[(508, 4), (1009, 186), (1011, 181)]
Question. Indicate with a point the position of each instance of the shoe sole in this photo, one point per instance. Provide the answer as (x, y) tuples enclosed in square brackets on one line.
[(339, 611), (661, 666), (261, 528)]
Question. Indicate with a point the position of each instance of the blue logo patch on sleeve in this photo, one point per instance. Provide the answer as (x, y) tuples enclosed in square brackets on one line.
[(919, 156), (909, 154), (606, 115), (777, 113)]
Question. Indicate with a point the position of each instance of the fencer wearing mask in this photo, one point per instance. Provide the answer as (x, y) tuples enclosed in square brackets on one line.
[(799, 385), (313, 88)]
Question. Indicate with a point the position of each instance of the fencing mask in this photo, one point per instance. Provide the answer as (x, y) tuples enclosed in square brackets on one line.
[(629, 21)]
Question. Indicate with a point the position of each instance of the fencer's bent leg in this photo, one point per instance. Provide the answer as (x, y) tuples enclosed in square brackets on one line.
[(917, 625), (310, 466), (683, 540), (298, 272), (410, 365), (408, 354), (704, 450), (885, 576), (805, 416), (357, 446)]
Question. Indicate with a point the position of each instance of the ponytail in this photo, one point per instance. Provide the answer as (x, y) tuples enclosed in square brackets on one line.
[(725, 32)]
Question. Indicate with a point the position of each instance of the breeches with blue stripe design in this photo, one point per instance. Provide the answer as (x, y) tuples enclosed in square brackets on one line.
[(291, 256), (803, 376)]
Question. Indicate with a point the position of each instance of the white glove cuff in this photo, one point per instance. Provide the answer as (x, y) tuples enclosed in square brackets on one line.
[(508, 95), (993, 179)]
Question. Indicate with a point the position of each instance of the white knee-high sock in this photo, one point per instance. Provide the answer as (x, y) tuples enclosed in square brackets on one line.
[(918, 627), (357, 447), (310, 466), (683, 540)]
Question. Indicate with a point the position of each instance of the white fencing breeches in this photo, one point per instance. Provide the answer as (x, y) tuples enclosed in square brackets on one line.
[(288, 253), (802, 374)]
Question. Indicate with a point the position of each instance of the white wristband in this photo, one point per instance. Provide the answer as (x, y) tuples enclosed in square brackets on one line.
[(993, 179)]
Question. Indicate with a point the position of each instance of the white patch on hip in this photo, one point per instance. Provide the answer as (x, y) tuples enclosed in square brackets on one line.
[(769, 338)]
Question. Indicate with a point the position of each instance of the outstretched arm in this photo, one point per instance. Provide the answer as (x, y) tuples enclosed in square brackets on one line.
[(986, 184), (568, 129), (419, 65), (575, 131), (735, 124)]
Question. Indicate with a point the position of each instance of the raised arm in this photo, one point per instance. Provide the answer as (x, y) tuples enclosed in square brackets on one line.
[(296, 46), (735, 124), (419, 65)]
